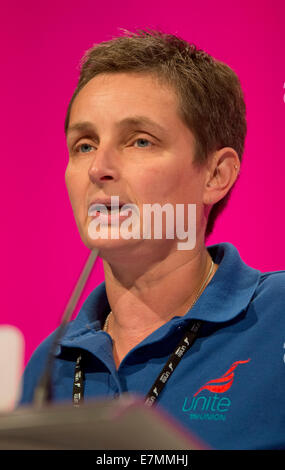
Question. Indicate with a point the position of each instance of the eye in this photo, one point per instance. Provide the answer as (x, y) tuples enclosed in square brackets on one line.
[(141, 139), (83, 148)]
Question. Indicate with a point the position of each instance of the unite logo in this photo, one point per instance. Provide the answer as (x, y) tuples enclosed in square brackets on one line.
[(213, 407)]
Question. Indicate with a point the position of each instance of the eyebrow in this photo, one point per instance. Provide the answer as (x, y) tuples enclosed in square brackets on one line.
[(133, 121)]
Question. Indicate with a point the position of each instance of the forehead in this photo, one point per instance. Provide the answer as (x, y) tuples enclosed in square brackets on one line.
[(128, 83), (120, 92), (110, 98)]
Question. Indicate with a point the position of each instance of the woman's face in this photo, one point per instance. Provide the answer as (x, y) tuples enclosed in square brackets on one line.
[(135, 146)]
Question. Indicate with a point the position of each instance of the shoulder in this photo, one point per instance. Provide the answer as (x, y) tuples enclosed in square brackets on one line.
[(272, 282), (270, 293)]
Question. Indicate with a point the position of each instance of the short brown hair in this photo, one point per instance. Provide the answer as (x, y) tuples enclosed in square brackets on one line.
[(209, 92)]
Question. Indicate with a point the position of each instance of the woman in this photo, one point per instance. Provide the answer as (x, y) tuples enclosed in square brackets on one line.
[(153, 120)]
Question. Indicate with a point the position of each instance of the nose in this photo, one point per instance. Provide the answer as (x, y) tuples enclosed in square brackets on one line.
[(103, 167)]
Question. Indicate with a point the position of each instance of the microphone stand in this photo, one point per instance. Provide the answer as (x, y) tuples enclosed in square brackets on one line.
[(43, 391)]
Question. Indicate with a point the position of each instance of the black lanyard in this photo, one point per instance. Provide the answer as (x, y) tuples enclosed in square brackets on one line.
[(182, 347)]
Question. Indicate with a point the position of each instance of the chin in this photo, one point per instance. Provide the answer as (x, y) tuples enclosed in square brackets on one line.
[(109, 245)]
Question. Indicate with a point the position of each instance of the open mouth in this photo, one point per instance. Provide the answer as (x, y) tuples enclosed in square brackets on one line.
[(100, 209), (103, 207)]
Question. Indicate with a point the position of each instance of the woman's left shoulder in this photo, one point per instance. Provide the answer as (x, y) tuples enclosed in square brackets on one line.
[(270, 291), (273, 281)]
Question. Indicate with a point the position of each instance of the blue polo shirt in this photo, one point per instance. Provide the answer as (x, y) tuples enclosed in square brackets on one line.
[(228, 389)]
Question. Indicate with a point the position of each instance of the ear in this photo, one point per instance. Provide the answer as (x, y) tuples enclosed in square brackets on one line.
[(223, 170)]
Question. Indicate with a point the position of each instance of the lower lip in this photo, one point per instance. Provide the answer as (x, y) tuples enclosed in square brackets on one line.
[(109, 218)]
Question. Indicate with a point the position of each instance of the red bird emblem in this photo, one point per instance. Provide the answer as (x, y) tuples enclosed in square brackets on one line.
[(222, 384)]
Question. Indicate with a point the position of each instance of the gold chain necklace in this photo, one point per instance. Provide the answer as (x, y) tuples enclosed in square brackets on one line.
[(105, 327)]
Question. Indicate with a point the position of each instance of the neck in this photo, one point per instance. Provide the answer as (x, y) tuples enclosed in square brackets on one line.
[(144, 302)]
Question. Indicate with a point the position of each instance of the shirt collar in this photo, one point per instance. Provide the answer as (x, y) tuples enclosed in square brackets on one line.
[(231, 288), (227, 295)]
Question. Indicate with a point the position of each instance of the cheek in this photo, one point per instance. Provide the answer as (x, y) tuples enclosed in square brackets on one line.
[(163, 184), (75, 189)]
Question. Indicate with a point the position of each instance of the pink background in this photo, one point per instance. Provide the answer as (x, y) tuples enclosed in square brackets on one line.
[(42, 253)]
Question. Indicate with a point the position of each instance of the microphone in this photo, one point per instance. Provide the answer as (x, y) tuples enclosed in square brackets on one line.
[(43, 391)]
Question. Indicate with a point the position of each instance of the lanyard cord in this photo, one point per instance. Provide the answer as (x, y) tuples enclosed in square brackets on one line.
[(182, 347)]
